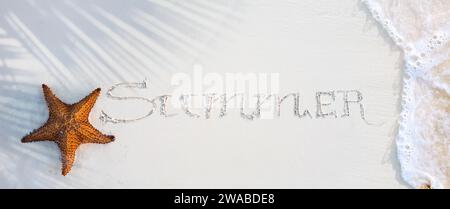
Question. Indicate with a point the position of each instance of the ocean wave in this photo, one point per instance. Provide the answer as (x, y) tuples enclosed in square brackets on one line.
[(421, 29)]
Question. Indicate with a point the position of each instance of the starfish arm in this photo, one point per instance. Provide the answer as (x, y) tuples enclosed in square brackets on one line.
[(48, 132), (55, 106), (89, 134), (84, 107), (68, 145)]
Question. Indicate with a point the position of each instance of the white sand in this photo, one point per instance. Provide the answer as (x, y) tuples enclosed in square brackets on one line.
[(314, 45)]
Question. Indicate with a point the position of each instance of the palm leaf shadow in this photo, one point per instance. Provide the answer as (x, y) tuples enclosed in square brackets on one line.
[(87, 45)]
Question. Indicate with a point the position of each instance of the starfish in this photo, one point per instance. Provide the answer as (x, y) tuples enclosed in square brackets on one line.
[(68, 126)]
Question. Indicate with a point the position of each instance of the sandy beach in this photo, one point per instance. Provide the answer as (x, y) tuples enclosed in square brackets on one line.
[(313, 46)]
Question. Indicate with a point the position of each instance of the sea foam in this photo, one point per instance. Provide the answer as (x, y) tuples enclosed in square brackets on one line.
[(421, 29)]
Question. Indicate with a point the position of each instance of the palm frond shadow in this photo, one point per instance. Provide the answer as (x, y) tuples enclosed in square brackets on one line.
[(80, 46)]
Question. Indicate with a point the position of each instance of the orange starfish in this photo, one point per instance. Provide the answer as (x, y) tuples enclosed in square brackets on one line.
[(68, 126)]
